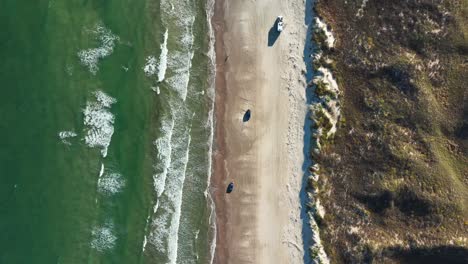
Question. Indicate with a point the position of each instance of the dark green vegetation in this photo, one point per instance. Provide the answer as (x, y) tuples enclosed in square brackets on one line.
[(395, 182)]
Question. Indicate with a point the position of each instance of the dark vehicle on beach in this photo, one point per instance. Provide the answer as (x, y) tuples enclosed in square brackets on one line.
[(246, 116), (230, 187)]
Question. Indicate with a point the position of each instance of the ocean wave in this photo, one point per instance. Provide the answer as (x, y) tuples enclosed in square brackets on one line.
[(103, 238), (145, 237), (180, 17), (165, 235), (65, 135), (165, 225), (101, 171), (175, 195), (160, 233), (111, 183), (156, 89), (164, 148), (180, 63), (91, 57), (99, 122), (150, 66), (145, 241), (163, 58)]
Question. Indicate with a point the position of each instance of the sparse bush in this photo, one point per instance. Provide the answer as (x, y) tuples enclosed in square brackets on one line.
[(322, 90)]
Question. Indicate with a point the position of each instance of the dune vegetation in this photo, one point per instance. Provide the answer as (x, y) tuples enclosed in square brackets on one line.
[(394, 176)]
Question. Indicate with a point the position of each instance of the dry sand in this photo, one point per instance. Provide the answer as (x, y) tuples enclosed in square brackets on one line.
[(260, 221)]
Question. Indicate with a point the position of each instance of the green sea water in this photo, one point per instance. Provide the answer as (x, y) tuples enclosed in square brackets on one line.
[(148, 205)]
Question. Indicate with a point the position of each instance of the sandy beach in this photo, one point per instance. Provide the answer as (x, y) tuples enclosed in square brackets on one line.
[(260, 70)]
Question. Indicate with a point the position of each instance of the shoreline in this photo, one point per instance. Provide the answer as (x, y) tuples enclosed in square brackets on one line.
[(219, 144)]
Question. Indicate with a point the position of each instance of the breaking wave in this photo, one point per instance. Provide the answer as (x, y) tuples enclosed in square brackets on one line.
[(111, 183), (99, 122), (163, 58), (181, 64), (181, 18), (150, 66), (65, 135), (164, 148), (173, 149), (91, 57), (103, 238), (174, 143)]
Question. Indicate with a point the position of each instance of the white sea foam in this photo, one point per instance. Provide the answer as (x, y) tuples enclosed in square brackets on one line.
[(65, 135), (99, 122), (173, 147), (156, 206), (182, 17), (145, 238), (111, 183), (181, 64), (91, 57), (164, 148), (177, 197), (156, 89), (165, 236), (160, 232), (150, 66), (104, 99), (165, 224), (103, 238), (145, 241), (163, 58), (101, 172)]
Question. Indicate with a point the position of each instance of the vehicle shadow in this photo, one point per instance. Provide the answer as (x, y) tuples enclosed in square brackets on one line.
[(273, 34)]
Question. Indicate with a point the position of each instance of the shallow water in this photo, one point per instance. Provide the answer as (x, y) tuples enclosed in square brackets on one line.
[(95, 166)]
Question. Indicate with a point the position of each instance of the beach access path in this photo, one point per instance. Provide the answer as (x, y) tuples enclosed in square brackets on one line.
[(261, 70)]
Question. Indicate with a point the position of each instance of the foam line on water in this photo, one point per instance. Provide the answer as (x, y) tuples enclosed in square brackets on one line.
[(65, 135), (101, 172), (165, 225), (162, 66), (172, 197), (99, 122), (150, 66), (90, 57), (103, 237), (111, 183), (181, 17), (181, 63), (174, 237), (145, 241), (145, 237), (164, 148)]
